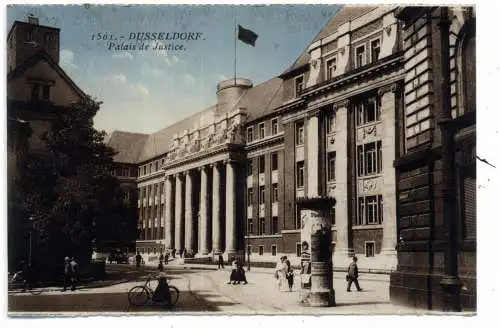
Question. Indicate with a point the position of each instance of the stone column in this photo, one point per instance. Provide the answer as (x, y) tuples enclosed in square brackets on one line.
[(169, 218), (204, 198), (230, 208), (343, 247), (188, 216), (216, 210), (179, 212), (312, 155), (388, 112), (316, 212)]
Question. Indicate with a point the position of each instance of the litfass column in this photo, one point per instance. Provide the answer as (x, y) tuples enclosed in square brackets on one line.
[(316, 213)]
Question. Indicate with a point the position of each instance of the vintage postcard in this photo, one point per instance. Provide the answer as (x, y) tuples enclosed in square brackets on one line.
[(227, 159)]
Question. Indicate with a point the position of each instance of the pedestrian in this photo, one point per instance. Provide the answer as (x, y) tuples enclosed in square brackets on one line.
[(233, 277), (138, 259), (279, 274), (167, 254), (352, 275), (241, 273), (160, 263), (289, 273), (68, 274), (173, 253), (162, 292), (221, 261)]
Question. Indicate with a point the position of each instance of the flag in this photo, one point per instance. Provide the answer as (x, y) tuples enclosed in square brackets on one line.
[(247, 36)]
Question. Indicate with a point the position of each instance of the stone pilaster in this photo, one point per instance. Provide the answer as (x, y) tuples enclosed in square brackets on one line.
[(230, 208), (188, 216), (179, 213), (169, 210), (204, 198), (312, 155), (388, 112), (343, 247), (216, 210)]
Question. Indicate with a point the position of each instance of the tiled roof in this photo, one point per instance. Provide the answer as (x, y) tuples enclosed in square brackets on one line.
[(347, 13), (127, 145), (262, 99)]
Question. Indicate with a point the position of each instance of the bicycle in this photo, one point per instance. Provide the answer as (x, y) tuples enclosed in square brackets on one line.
[(142, 294)]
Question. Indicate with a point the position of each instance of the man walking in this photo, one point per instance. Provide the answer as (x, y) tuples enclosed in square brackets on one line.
[(220, 261), (69, 273), (352, 275), (138, 259)]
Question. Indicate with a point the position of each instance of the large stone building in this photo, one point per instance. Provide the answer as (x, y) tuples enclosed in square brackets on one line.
[(227, 179)]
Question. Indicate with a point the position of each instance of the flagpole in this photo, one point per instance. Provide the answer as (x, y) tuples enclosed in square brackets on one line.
[(235, 41)]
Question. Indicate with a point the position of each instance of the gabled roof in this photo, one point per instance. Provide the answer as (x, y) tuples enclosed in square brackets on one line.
[(43, 55), (128, 145), (346, 14)]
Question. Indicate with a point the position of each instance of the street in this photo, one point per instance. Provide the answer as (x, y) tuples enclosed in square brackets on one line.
[(207, 291)]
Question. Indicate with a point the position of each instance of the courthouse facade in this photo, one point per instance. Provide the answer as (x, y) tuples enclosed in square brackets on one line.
[(227, 179)]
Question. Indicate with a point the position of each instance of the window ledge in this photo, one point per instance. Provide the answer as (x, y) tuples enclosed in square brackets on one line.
[(367, 227)]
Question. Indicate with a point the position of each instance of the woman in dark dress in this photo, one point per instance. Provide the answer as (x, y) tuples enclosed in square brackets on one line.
[(161, 293)]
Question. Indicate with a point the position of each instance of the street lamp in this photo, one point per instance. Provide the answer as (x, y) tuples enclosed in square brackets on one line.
[(30, 232)]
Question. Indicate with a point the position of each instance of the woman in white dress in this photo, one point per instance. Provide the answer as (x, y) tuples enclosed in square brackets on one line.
[(280, 272)]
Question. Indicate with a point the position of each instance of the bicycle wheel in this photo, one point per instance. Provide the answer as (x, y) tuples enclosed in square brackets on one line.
[(174, 294), (138, 296)]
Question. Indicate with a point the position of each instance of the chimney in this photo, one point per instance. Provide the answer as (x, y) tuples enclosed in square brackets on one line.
[(32, 19)]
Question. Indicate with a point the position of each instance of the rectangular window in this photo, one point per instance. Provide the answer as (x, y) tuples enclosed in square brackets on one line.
[(273, 250), (299, 133), (250, 227), (46, 92), (250, 196), (370, 158), (156, 166), (274, 126), (360, 56), (299, 85), (35, 91), (262, 226), (150, 168), (249, 134), (261, 131), (331, 67), (332, 214), (369, 249), (298, 249), (139, 171), (262, 195), (300, 174), (368, 111), (262, 164), (275, 192), (261, 250), (274, 161), (250, 167), (330, 122), (274, 225), (370, 210), (144, 170), (298, 218), (375, 50), (331, 166)]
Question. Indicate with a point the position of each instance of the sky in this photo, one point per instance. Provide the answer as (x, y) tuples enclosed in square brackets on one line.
[(145, 91)]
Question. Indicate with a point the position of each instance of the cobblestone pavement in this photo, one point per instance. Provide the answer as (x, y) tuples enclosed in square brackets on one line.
[(208, 291)]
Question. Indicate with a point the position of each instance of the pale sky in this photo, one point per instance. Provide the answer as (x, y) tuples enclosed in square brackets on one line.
[(145, 91)]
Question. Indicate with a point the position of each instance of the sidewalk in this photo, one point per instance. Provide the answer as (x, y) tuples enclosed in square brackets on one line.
[(261, 295)]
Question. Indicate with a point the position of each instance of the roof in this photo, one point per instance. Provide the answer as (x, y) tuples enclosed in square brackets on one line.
[(128, 145), (43, 55), (346, 14), (262, 99), (159, 142)]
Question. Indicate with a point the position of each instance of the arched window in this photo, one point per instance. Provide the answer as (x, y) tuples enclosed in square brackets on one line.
[(466, 65)]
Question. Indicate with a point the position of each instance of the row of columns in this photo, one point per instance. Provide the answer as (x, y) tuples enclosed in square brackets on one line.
[(180, 214)]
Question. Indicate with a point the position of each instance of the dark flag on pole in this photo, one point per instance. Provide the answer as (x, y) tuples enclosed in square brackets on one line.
[(247, 36)]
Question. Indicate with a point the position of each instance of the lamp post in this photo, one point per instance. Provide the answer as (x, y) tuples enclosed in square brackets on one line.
[(30, 233)]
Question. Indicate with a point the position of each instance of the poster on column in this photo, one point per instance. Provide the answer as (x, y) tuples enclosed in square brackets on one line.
[(305, 255)]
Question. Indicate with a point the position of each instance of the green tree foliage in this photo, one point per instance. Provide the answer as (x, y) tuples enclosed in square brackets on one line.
[(70, 192)]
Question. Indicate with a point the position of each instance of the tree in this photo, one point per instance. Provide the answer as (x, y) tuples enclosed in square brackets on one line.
[(70, 191)]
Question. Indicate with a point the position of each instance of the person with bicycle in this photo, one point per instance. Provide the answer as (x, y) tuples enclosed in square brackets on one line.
[(162, 292)]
